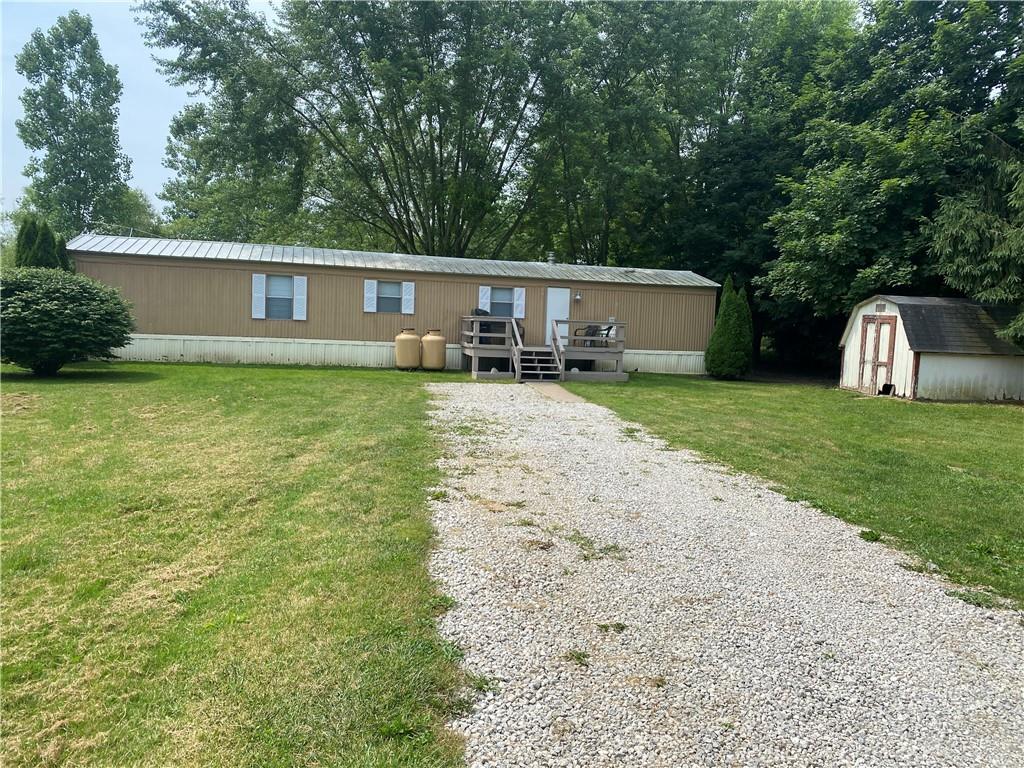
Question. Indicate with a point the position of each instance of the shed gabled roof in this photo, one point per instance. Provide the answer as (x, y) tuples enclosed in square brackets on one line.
[(957, 326), (399, 262)]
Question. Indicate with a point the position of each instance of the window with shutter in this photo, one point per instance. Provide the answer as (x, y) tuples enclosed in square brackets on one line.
[(279, 297), (389, 296), (502, 301)]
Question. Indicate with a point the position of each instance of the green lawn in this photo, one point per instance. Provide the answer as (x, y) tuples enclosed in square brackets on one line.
[(945, 482), (211, 566)]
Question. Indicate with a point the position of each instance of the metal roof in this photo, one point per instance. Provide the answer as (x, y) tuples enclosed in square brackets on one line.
[(959, 326), (399, 262)]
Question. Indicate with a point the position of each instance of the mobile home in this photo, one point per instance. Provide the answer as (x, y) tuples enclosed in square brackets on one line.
[(242, 302)]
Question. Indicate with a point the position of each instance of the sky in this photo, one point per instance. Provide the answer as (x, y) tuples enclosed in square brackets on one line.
[(147, 104)]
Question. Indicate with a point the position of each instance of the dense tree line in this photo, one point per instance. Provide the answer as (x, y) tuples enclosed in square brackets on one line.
[(818, 152)]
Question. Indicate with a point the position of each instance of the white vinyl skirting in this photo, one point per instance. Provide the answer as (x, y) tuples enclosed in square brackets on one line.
[(365, 354), (243, 349)]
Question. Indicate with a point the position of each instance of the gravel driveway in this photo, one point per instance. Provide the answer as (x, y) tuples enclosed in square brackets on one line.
[(629, 605)]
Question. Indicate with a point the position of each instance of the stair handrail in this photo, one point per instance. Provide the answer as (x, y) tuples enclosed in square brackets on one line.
[(557, 349), (517, 349)]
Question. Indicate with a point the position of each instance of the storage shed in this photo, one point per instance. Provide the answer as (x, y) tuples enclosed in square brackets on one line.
[(930, 348), (243, 302)]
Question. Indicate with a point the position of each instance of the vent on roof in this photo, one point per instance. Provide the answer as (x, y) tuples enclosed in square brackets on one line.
[(880, 307)]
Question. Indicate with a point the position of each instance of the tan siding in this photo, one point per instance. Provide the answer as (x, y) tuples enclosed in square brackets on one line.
[(213, 299)]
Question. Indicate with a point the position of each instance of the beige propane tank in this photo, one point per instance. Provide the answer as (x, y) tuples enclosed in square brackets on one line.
[(434, 350), (407, 349)]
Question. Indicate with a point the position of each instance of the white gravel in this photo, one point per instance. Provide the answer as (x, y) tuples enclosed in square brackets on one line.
[(757, 631)]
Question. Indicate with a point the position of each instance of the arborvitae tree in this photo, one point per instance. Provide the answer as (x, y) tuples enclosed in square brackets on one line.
[(729, 352), (43, 252), (748, 320), (28, 232), (62, 255)]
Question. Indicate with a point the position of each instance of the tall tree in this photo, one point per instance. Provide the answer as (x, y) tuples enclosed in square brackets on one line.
[(904, 110), (77, 172), (425, 115)]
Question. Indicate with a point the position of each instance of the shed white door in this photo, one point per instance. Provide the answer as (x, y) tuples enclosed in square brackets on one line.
[(877, 345), (557, 312)]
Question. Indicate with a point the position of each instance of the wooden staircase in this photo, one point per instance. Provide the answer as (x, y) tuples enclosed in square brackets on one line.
[(538, 364)]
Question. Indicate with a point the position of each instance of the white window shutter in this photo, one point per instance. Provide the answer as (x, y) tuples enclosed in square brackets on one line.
[(408, 298), (259, 297), (299, 297), (369, 295), (519, 303), (484, 302)]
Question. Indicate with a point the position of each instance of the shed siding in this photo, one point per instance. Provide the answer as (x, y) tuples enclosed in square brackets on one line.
[(214, 299), (970, 377), (902, 358)]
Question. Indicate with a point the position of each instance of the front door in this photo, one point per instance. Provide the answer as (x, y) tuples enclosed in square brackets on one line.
[(877, 343), (557, 312)]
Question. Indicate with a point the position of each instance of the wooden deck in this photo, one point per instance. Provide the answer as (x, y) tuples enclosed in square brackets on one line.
[(579, 350)]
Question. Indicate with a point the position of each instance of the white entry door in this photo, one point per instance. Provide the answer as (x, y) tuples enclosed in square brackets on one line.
[(557, 312)]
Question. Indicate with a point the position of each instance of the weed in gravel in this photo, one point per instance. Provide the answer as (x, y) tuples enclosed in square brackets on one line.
[(870, 535), (578, 657), (482, 683), (470, 428), (525, 522), (542, 544), (976, 597), (631, 433), (515, 504), (591, 550), (717, 498), (616, 626), (439, 495)]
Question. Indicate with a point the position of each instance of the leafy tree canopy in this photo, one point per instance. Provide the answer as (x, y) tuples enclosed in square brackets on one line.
[(77, 173), (908, 178)]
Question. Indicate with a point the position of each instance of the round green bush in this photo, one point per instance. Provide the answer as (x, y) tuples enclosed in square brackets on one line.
[(49, 318)]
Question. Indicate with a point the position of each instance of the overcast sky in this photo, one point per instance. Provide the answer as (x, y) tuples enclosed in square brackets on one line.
[(147, 104)]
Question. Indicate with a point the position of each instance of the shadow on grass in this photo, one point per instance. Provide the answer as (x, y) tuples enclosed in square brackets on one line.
[(94, 374)]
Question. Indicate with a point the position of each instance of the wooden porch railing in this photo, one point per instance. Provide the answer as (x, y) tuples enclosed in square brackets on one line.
[(596, 335), (499, 333)]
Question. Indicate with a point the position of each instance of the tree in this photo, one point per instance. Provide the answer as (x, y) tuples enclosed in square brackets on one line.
[(77, 172), (729, 354), (44, 252), (424, 116), (52, 317), (977, 233), (28, 233), (37, 245), (898, 108), (63, 259)]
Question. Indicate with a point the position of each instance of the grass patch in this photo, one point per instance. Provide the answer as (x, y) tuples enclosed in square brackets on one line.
[(483, 684), (977, 597), (578, 657), (943, 481), (221, 566), (869, 535), (591, 550), (616, 626)]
